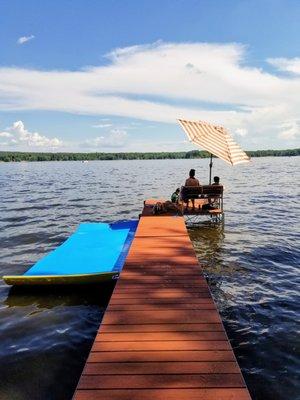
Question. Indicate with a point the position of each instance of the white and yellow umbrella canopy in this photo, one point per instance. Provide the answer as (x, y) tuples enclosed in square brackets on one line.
[(214, 139)]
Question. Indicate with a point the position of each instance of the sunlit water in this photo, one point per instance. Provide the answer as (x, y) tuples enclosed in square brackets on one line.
[(251, 265)]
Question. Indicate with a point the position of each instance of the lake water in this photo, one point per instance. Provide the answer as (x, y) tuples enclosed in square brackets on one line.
[(251, 265)]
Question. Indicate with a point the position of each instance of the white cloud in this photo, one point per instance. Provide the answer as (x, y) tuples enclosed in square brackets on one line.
[(286, 64), (17, 136), (241, 132), (24, 39), (130, 126), (5, 134), (290, 130), (162, 82), (101, 126), (116, 138)]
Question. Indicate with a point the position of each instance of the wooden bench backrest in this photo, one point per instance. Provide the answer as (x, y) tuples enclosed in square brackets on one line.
[(191, 190), (212, 190)]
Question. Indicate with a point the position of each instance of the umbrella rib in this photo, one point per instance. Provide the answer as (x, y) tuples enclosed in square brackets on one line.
[(224, 133)]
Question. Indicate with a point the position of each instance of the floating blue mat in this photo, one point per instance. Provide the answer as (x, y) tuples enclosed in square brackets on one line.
[(95, 252)]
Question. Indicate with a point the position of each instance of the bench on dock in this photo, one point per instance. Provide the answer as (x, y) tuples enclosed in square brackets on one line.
[(209, 194)]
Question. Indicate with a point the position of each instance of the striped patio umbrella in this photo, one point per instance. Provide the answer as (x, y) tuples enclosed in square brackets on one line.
[(214, 139)]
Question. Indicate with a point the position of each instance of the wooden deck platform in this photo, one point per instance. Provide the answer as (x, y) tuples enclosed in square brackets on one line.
[(161, 337), (148, 209)]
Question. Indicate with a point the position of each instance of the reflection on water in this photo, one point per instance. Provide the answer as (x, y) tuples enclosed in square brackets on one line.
[(44, 297), (208, 241), (251, 264), (257, 295), (48, 334)]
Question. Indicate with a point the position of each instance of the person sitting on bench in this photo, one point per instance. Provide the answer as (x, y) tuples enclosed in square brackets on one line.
[(191, 181), (216, 180), (212, 200), (175, 196)]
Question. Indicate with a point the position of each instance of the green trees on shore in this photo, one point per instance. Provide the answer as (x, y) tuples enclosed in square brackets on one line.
[(7, 156)]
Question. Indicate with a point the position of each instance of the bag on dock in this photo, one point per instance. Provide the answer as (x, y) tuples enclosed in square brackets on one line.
[(158, 208), (207, 207)]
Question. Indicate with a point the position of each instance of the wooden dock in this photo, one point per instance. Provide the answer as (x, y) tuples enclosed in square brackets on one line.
[(162, 337)]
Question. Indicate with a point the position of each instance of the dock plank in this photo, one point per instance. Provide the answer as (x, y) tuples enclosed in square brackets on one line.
[(159, 345), (161, 306), (149, 327), (177, 327), (162, 302), (175, 356), (169, 394), (161, 336), (154, 336), (161, 381), (141, 368), (160, 316)]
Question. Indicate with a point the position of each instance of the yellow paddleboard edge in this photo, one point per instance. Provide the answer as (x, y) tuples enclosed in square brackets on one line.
[(77, 279)]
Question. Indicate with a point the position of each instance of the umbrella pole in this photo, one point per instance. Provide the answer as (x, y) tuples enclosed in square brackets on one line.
[(210, 168)]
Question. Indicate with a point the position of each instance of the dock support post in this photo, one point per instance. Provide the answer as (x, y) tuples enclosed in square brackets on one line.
[(210, 168)]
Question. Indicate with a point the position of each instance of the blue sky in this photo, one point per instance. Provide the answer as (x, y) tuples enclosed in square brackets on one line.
[(115, 75)]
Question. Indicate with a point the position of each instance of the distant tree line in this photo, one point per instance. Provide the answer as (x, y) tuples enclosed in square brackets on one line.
[(7, 156)]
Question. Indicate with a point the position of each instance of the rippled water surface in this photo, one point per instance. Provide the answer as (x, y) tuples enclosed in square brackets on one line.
[(251, 264)]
